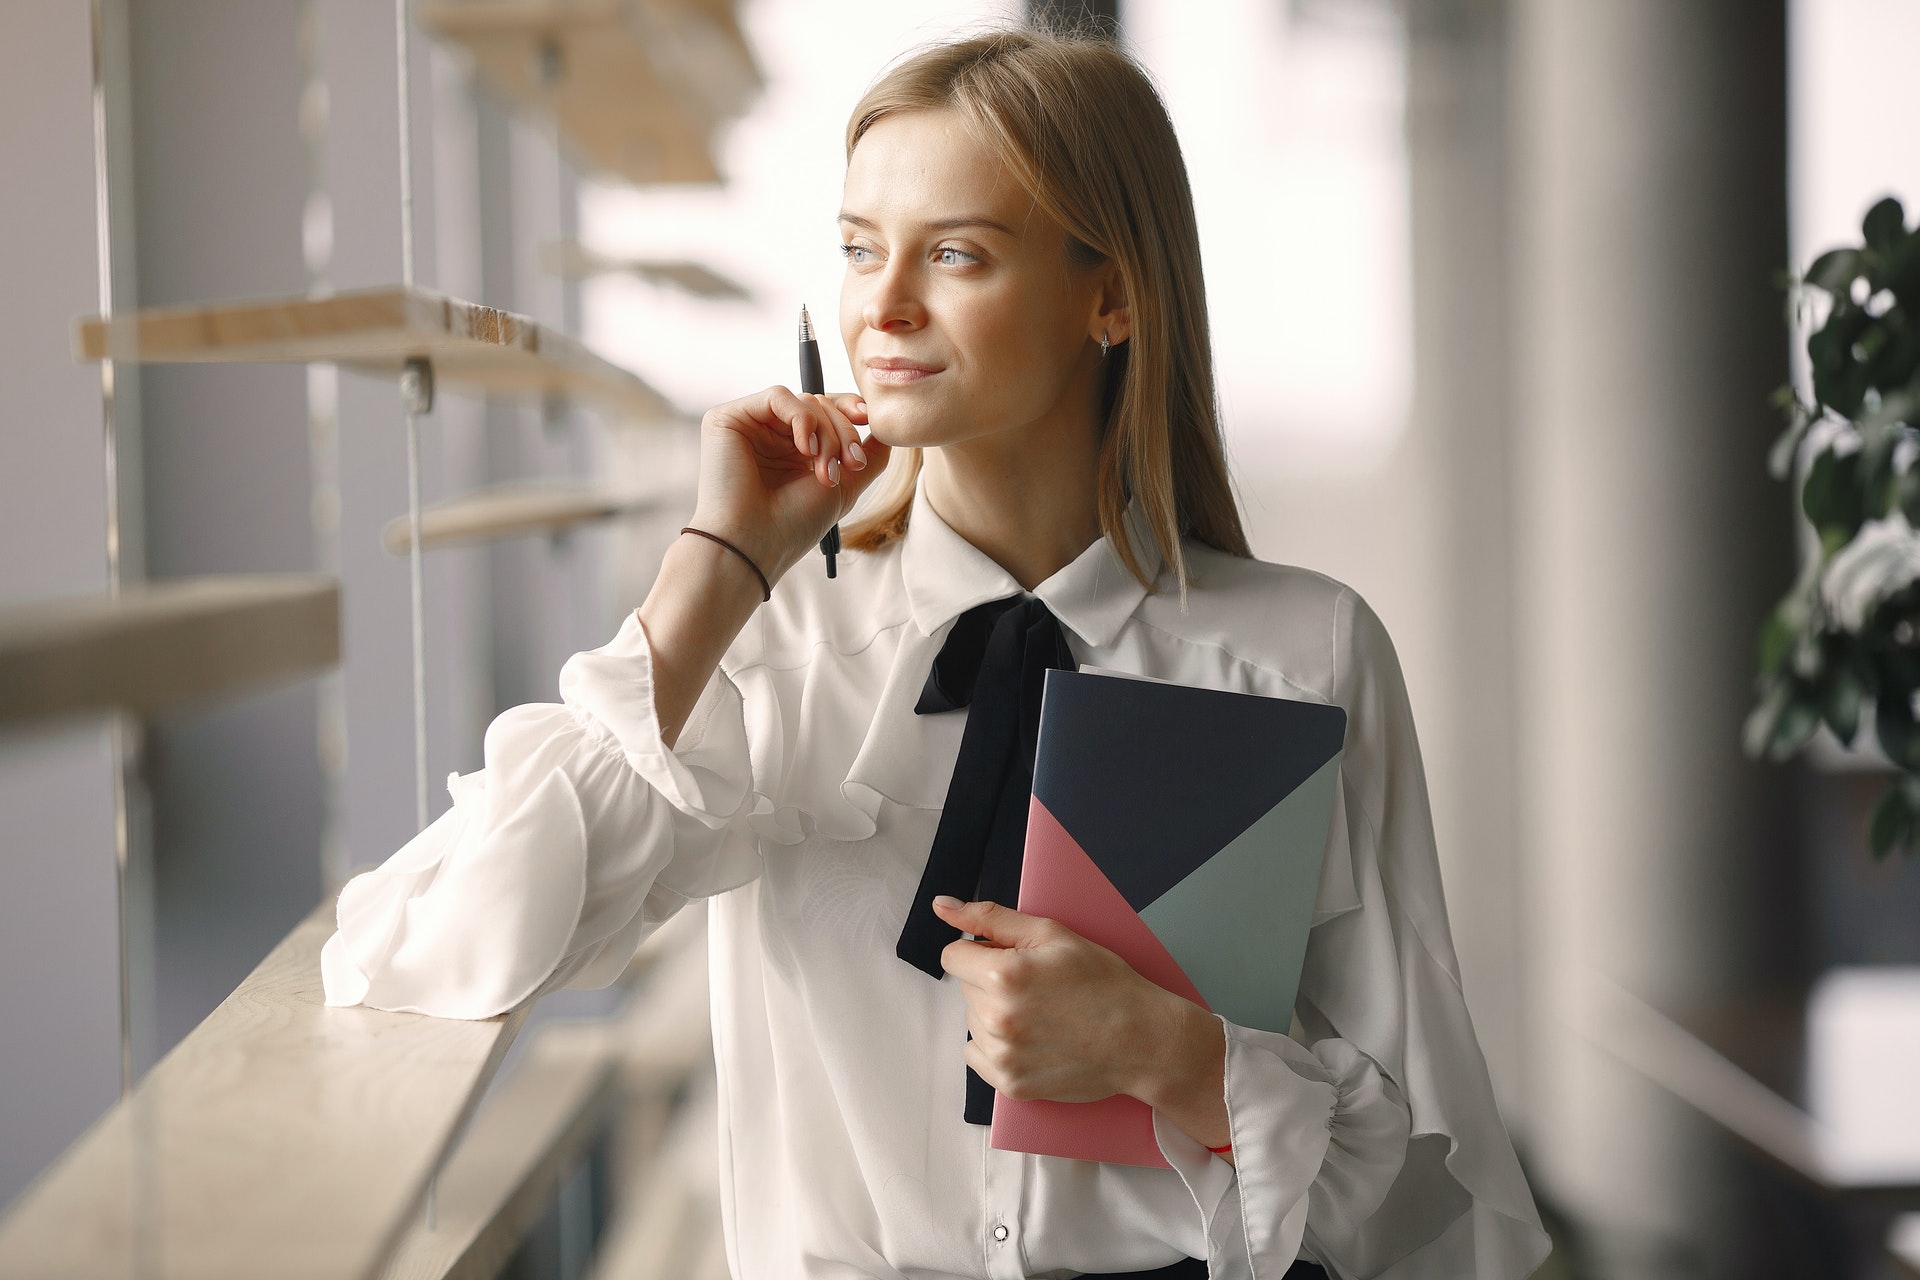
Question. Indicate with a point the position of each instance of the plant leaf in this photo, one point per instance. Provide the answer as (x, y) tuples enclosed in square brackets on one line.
[(1878, 482), (1903, 272), (1786, 445), (1892, 358), (1832, 498), (1797, 723), (1778, 635), (1893, 724), (1758, 731), (1910, 496), (1834, 271), (1839, 381), (1841, 705), (1883, 226), (1891, 825)]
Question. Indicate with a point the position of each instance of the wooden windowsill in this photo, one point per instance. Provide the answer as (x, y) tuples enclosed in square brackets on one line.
[(533, 1131), (281, 1138)]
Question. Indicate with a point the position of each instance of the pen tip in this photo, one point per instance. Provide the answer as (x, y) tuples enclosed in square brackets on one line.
[(806, 324)]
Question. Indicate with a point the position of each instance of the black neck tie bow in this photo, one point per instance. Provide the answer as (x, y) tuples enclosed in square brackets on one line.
[(995, 659)]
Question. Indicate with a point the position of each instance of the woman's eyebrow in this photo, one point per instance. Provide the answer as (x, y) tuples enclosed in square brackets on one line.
[(936, 224)]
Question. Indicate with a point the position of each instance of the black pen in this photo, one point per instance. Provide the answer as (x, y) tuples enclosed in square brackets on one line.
[(812, 380)]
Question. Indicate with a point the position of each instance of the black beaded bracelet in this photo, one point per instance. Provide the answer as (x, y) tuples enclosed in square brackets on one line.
[(766, 587)]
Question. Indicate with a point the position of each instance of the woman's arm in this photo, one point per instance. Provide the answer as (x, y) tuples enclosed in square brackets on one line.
[(1056, 1016), (1185, 1081), (702, 598), (594, 819), (755, 453), (1318, 1134)]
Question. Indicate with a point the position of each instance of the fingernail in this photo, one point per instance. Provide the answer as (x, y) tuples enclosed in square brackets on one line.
[(861, 405), (833, 471), (855, 452), (948, 901), (813, 445)]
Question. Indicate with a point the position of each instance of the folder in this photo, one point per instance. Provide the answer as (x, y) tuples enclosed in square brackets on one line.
[(1183, 829)]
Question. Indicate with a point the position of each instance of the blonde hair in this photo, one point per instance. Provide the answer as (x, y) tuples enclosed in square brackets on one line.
[(1078, 123)]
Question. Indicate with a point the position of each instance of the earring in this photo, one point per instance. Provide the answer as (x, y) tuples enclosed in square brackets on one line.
[(1103, 344)]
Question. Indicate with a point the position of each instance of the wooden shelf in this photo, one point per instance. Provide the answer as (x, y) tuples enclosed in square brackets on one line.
[(637, 87), (530, 1134), (509, 511), (280, 1138), (473, 348), (572, 260), (165, 644)]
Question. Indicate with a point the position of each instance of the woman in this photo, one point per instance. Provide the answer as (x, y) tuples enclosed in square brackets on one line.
[(1023, 311)]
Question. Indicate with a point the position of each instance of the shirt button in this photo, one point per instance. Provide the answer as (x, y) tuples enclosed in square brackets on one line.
[(1000, 1233)]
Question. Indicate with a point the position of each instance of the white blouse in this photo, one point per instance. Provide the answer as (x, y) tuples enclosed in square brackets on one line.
[(801, 801)]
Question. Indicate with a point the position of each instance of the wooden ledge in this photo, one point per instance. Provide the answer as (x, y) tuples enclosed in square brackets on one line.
[(532, 1132), (473, 348), (280, 1138), (509, 511), (165, 644)]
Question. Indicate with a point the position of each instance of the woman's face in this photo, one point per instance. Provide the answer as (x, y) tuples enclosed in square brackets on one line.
[(961, 311)]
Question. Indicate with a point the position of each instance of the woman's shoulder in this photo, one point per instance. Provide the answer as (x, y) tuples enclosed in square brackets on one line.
[(1308, 627)]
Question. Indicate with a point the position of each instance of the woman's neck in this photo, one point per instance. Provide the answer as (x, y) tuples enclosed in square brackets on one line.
[(1027, 498)]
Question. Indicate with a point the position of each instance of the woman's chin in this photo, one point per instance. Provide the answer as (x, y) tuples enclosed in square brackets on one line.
[(898, 428)]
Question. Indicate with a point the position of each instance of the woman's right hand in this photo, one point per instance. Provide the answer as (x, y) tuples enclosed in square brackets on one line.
[(763, 488)]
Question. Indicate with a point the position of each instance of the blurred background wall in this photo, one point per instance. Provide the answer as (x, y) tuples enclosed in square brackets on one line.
[(59, 972), (1648, 146), (1496, 309)]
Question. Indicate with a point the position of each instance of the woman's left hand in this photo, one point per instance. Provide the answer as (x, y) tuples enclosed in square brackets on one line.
[(1056, 1016)]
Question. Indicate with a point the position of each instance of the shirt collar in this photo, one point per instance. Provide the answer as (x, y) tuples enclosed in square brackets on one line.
[(946, 575)]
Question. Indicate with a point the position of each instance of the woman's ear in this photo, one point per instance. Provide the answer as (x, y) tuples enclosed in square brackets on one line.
[(1113, 318)]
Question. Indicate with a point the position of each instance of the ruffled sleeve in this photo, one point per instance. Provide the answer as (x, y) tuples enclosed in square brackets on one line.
[(1379, 1150), (580, 836), (1318, 1134)]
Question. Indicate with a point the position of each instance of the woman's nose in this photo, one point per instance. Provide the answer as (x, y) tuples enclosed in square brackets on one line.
[(894, 303)]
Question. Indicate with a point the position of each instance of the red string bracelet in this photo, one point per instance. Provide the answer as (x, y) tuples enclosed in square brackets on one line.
[(766, 588)]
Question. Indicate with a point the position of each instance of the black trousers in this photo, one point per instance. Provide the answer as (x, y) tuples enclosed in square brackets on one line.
[(1196, 1269)]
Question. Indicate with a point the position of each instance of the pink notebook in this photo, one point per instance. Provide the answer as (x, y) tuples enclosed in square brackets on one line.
[(1182, 829), (1060, 882)]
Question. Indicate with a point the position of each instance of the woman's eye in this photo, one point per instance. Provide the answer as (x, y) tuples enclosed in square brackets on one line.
[(956, 258), (858, 255)]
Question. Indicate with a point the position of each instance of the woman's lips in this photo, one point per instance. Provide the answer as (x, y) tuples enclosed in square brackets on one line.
[(899, 373)]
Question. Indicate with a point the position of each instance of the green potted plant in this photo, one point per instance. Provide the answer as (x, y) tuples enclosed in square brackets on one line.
[(1843, 647)]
